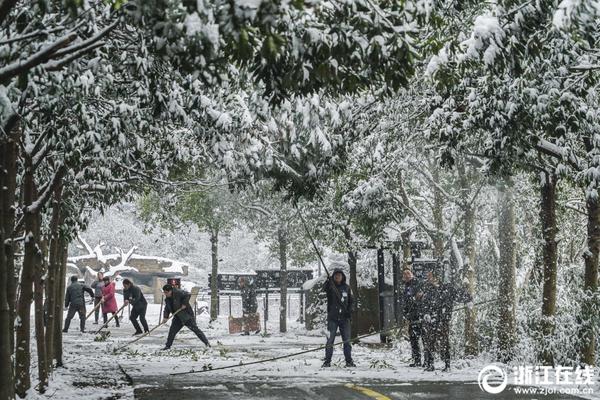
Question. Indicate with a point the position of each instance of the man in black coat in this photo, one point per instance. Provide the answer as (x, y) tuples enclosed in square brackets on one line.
[(75, 301), (437, 305), (178, 301), (133, 295), (249, 302), (339, 313), (411, 314)]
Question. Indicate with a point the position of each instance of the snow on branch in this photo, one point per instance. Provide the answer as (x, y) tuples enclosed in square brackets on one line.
[(85, 245), (46, 53), (47, 193)]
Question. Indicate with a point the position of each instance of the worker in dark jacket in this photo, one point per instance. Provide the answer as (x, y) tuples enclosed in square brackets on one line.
[(437, 305), (133, 295), (177, 302), (249, 303), (411, 314), (75, 301), (339, 313)]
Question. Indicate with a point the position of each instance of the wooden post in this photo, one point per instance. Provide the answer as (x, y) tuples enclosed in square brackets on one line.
[(301, 306), (218, 303), (381, 289), (396, 274), (162, 298), (266, 308), (230, 305)]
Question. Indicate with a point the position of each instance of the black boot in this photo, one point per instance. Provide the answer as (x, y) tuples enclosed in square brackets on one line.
[(429, 367), (350, 364), (447, 367), (326, 364), (415, 364)]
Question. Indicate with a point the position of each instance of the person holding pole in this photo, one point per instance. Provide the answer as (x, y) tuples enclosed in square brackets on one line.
[(178, 301), (109, 302), (339, 313), (97, 285), (133, 295), (74, 300)]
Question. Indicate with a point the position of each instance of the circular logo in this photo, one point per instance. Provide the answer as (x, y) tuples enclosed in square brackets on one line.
[(492, 371)]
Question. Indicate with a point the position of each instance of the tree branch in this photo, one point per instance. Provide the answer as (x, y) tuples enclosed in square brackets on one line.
[(18, 67)]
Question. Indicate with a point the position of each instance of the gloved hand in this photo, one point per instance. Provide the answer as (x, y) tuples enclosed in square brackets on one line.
[(164, 321), (470, 305)]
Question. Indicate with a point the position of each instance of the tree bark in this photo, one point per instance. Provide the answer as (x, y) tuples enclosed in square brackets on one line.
[(549, 251), (52, 284), (438, 217), (352, 263), (62, 255), (39, 316), (8, 209), (214, 290), (282, 237), (507, 267), (6, 365), (590, 281), (23, 352), (469, 275)]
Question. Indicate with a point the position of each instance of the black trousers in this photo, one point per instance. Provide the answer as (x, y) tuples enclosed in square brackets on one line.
[(71, 313), (436, 334), (414, 334), (176, 326), (105, 318), (139, 312)]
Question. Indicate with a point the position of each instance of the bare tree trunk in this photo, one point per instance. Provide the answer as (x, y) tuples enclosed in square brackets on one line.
[(62, 255), (590, 282), (214, 290), (353, 281), (406, 251), (469, 275), (507, 266), (23, 352), (52, 284), (549, 231), (6, 365), (8, 206), (282, 237), (471, 346), (39, 317), (438, 217)]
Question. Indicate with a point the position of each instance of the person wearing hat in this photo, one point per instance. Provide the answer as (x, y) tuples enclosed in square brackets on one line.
[(133, 295), (339, 314), (178, 301), (437, 301)]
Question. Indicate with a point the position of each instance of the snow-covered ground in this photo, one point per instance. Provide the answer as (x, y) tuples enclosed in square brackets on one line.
[(101, 370)]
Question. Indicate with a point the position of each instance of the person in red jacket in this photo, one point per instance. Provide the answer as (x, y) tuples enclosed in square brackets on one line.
[(109, 302)]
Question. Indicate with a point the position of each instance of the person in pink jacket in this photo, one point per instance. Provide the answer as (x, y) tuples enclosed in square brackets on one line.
[(109, 302)]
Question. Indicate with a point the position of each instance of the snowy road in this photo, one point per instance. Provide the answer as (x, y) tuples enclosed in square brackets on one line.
[(95, 370)]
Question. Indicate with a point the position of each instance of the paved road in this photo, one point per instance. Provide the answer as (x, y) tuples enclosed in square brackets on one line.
[(299, 378), (183, 390)]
